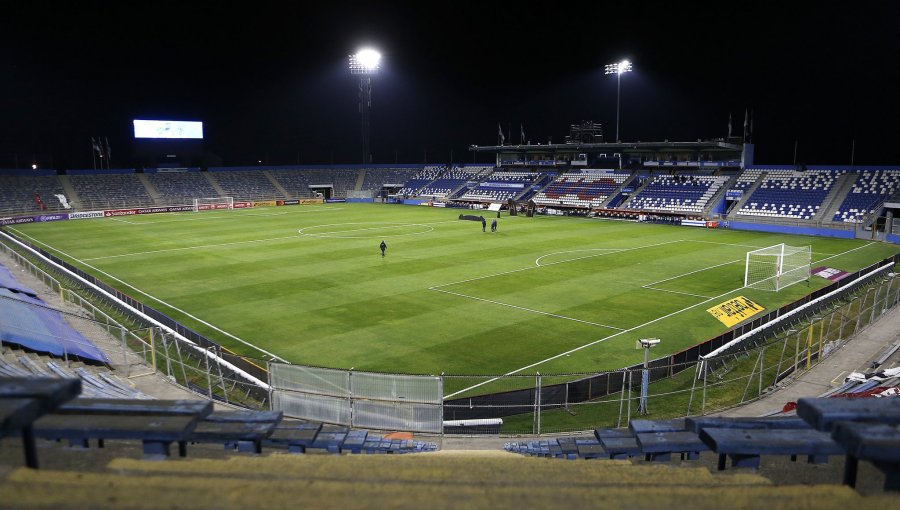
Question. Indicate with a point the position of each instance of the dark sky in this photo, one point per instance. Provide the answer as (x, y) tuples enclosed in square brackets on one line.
[(270, 81)]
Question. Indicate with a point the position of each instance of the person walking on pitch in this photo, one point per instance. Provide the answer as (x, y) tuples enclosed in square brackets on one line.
[(383, 248)]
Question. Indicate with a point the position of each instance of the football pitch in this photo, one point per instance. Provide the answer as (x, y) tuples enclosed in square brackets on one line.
[(308, 284)]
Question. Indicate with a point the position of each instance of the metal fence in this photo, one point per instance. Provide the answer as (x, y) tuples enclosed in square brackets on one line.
[(542, 403), (680, 384), (358, 399)]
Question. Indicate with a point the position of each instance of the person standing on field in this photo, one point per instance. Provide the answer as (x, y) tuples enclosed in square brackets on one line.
[(383, 248), (483, 224)]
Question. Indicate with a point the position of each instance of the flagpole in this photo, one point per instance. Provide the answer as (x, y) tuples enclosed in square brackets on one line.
[(852, 152), (94, 153)]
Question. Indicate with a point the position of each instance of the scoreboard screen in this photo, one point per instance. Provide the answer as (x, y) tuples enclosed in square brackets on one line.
[(168, 129)]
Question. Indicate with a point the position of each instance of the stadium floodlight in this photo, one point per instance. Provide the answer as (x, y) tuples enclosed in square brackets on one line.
[(365, 64), (618, 69), (365, 61)]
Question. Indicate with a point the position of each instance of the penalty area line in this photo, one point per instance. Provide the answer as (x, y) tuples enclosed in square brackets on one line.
[(614, 335), (527, 309)]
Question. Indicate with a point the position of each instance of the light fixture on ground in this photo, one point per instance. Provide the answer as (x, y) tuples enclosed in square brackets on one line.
[(646, 344), (618, 69), (365, 64)]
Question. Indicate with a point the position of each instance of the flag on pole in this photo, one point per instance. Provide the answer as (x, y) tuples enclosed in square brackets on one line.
[(521, 133), (750, 133), (107, 147), (95, 146), (500, 133), (746, 123), (729, 124)]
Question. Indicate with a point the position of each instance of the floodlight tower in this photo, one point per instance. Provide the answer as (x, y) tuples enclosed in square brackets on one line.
[(365, 63), (618, 69)]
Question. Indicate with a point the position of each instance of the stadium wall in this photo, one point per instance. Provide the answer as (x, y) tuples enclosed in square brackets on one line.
[(792, 229)]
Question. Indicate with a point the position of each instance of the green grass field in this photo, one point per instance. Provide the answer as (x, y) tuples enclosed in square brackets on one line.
[(550, 294)]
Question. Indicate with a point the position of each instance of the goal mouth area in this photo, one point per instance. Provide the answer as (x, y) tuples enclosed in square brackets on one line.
[(213, 203), (777, 267)]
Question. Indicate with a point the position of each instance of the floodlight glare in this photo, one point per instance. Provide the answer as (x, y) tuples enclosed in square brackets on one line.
[(618, 69), (365, 61)]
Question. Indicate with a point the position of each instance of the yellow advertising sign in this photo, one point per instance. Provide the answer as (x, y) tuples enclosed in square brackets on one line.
[(308, 201), (264, 203), (735, 310)]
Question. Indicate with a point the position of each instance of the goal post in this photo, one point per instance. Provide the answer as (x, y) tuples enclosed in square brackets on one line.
[(777, 267), (213, 203)]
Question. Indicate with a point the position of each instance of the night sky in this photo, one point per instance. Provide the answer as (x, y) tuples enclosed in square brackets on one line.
[(270, 81)]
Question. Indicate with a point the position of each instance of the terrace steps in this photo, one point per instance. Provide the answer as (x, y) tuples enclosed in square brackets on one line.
[(151, 189), (360, 179), (421, 481), (71, 194), (747, 193), (214, 183), (834, 199), (618, 190), (275, 183)]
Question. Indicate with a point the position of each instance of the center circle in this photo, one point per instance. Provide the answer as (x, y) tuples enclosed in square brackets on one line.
[(365, 230)]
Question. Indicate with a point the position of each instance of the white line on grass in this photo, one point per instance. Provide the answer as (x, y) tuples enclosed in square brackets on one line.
[(201, 321), (537, 261), (595, 342), (222, 216), (617, 250), (528, 309), (691, 272), (189, 248)]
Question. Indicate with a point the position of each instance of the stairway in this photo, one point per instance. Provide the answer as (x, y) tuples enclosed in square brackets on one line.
[(835, 197), (277, 184), (71, 194), (614, 194), (360, 179), (214, 183), (151, 189), (747, 194)]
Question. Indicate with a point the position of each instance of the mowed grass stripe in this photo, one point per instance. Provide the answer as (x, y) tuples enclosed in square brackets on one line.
[(336, 302)]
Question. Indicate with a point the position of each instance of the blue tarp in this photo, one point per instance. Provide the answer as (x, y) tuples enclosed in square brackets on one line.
[(8, 281), (25, 320)]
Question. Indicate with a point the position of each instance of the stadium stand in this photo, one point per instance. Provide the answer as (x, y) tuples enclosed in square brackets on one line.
[(109, 190), (245, 184), (677, 193), (341, 180), (377, 178), (425, 176), (182, 187), (27, 321), (454, 179), (870, 189), (501, 186), (18, 193), (790, 194), (584, 188)]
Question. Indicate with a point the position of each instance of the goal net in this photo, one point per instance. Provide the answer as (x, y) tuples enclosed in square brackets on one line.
[(777, 267), (213, 203)]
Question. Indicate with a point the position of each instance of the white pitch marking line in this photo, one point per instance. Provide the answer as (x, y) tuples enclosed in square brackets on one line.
[(595, 342), (201, 321), (224, 216), (617, 250), (528, 309), (537, 261), (190, 248), (675, 292), (692, 272)]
